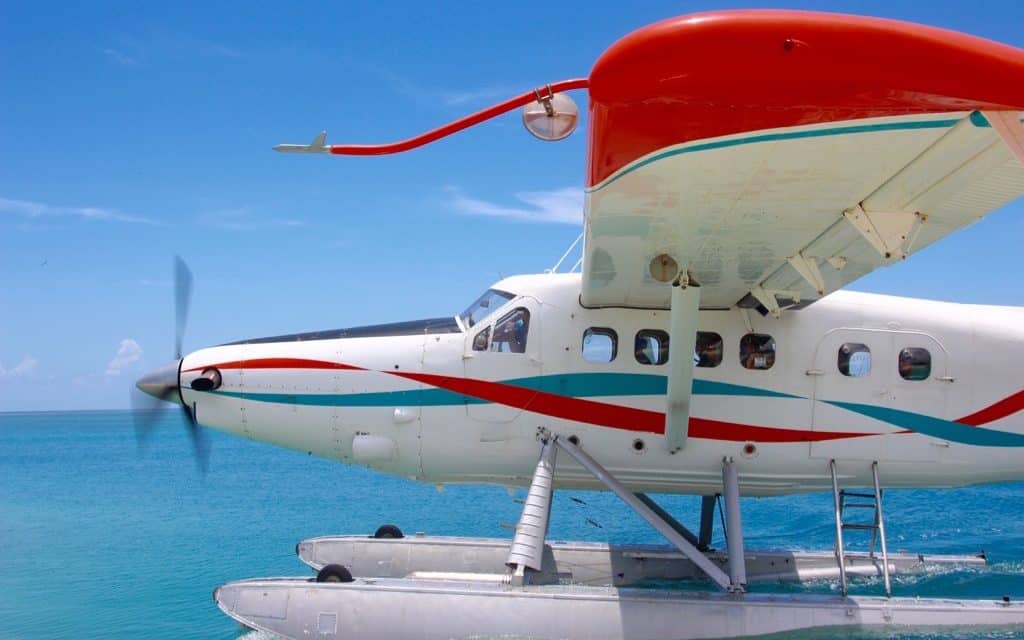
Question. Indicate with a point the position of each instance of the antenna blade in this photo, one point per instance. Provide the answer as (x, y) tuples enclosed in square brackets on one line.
[(316, 146)]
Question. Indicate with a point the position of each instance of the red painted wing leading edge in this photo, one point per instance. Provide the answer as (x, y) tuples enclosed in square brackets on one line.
[(713, 74)]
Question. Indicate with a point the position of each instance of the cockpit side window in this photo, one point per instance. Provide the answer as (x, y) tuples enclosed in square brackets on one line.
[(510, 332), (481, 340), (490, 301)]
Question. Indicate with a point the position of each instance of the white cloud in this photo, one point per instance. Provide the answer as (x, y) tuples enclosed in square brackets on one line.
[(242, 219), (562, 206), (156, 46), (128, 352), (120, 57), (27, 364), (480, 94), (29, 209), (445, 97)]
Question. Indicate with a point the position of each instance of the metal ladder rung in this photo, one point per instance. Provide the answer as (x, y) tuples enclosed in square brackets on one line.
[(857, 495), (877, 528)]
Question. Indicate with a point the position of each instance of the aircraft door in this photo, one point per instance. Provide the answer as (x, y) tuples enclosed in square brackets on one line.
[(848, 367), (502, 358), (860, 383)]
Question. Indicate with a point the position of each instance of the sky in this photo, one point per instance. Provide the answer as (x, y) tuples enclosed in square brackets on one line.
[(133, 132)]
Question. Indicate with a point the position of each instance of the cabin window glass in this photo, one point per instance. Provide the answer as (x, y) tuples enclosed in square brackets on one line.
[(600, 344), (651, 346), (708, 350), (510, 332), (757, 351), (483, 306), (481, 339), (854, 359), (915, 363)]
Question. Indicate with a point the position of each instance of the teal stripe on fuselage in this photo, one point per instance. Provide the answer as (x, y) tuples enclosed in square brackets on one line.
[(776, 137), (582, 385), (573, 385), (936, 427), (710, 388)]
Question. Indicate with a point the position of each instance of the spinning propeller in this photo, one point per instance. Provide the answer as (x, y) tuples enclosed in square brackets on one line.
[(163, 384)]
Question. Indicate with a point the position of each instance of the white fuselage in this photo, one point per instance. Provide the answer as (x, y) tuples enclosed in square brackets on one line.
[(420, 401)]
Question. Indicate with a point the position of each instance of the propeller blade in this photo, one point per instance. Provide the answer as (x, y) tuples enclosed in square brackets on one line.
[(199, 445), (182, 298), (145, 413), (162, 385)]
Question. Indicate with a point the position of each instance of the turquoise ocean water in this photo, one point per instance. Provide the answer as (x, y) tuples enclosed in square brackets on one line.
[(100, 541)]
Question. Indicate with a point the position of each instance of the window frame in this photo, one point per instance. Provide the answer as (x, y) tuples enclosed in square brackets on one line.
[(486, 333), (507, 318), (855, 348), (600, 331), (743, 357), (466, 317), (912, 377), (663, 345), (721, 350)]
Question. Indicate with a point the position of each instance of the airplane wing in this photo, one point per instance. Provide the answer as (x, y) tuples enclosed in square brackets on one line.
[(776, 156)]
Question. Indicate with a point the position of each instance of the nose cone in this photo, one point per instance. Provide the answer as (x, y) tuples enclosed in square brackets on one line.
[(162, 383)]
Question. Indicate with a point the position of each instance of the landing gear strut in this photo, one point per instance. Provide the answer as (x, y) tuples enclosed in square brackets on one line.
[(440, 588)]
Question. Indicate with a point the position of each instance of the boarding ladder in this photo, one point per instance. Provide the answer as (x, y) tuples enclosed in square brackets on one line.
[(842, 501)]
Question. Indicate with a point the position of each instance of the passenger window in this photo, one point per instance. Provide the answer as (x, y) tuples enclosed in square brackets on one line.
[(481, 339), (510, 332), (651, 347), (915, 363), (600, 344), (708, 350), (757, 351), (854, 359)]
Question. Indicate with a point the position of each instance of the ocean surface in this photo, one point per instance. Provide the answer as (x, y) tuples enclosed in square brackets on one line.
[(101, 540)]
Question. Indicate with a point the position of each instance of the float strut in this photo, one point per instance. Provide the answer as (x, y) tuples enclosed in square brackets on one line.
[(707, 522), (527, 550), (734, 524), (667, 517), (645, 512)]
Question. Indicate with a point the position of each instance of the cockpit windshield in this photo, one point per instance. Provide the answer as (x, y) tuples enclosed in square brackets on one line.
[(484, 305)]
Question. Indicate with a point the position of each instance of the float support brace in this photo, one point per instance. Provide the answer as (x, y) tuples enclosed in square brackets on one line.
[(645, 512), (667, 517), (707, 522)]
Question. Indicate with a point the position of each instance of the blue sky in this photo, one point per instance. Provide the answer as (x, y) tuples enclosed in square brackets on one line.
[(132, 132)]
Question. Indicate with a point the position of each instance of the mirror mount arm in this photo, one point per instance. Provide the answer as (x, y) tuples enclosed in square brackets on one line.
[(440, 132)]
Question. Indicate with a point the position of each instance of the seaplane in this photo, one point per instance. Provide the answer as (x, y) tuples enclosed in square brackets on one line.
[(742, 168)]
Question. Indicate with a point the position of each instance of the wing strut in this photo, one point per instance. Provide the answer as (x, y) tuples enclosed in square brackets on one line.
[(683, 331)]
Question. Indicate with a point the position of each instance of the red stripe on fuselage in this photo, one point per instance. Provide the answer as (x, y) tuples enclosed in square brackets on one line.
[(612, 415), (279, 363), (1005, 407)]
